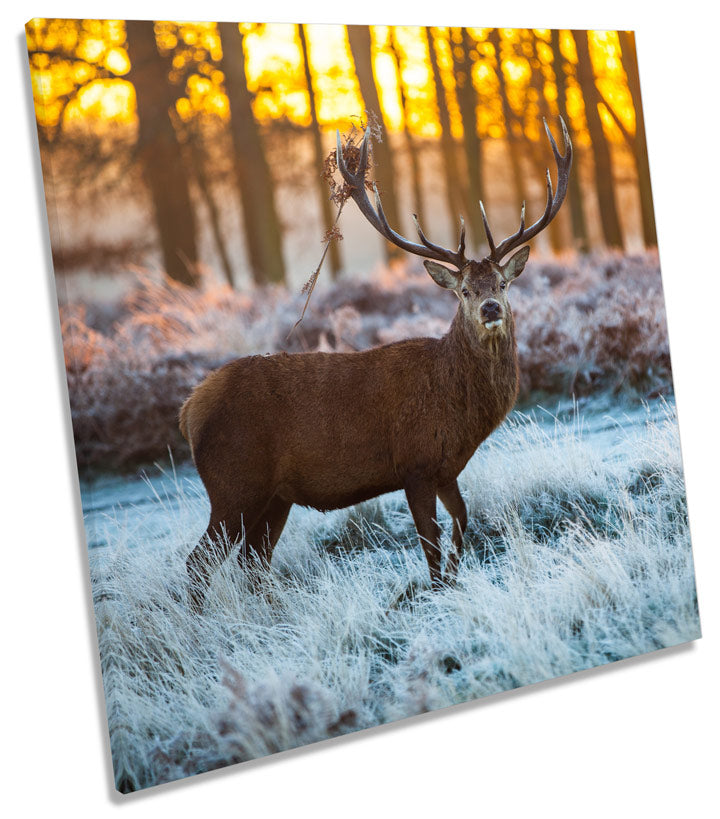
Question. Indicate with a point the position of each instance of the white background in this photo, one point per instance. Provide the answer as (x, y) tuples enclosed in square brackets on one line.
[(638, 738)]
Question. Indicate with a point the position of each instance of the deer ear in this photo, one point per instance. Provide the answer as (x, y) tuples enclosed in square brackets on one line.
[(513, 268), (441, 275)]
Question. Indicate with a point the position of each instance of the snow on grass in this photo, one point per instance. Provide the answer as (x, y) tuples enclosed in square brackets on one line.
[(578, 554)]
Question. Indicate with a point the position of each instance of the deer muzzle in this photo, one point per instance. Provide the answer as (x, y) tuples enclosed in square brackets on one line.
[(492, 314)]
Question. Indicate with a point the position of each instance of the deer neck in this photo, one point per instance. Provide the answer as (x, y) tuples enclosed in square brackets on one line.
[(482, 371)]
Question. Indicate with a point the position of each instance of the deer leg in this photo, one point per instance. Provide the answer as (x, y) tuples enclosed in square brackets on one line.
[(421, 499), (452, 500), (223, 531), (263, 535), (260, 542)]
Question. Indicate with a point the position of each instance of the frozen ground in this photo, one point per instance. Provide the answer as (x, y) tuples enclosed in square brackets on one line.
[(578, 554)]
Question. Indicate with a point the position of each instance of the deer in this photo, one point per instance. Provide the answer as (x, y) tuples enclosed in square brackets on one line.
[(328, 430)]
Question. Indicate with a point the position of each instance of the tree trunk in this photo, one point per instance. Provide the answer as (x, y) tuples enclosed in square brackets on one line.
[(361, 49), (537, 81), (159, 153), (412, 146), (467, 101), (263, 235), (510, 120), (453, 180), (198, 158), (574, 195), (604, 182), (639, 144), (328, 217)]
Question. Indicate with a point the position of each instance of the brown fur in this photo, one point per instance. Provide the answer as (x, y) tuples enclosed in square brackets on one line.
[(328, 430)]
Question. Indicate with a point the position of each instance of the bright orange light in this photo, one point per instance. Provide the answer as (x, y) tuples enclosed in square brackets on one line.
[(89, 87), (106, 100)]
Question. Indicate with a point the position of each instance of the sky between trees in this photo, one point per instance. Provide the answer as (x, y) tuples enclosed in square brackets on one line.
[(217, 118)]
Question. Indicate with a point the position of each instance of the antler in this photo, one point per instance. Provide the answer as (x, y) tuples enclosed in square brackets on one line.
[(376, 215), (563, 162)]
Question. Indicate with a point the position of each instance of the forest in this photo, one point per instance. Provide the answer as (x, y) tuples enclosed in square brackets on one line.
[(219, 132)]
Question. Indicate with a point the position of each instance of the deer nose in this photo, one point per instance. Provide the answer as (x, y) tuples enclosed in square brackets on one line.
[(491, 310)]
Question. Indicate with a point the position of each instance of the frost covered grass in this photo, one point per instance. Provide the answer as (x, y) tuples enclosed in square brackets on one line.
[(583, 325), (578, 554)]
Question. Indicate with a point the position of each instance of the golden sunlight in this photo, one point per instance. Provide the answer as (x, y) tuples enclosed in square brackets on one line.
[(86, 86)]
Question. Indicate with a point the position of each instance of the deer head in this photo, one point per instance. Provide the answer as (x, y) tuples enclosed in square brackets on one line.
[(481, 286)]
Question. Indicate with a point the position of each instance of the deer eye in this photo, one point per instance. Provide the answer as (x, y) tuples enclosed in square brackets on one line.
[(466, 292), (503, 284)]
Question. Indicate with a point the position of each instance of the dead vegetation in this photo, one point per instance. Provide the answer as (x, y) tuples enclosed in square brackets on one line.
[(584, 326)]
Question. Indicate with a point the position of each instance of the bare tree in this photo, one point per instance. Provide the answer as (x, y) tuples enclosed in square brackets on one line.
[(511, 120), (604, 182), (638, 143), (198, 158), (326, 208), (361, 49), (462, 47), (263, 235), (413, 148), (160, 154), (574, 198), (537, 83), (453, 180)]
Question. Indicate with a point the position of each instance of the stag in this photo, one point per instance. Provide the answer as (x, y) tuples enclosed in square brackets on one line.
[(328, 430)]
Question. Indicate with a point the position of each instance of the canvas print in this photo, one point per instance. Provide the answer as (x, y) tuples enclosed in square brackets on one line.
[(368, 370)]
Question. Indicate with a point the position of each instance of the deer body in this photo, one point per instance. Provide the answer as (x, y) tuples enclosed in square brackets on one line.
[(328, 430)]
